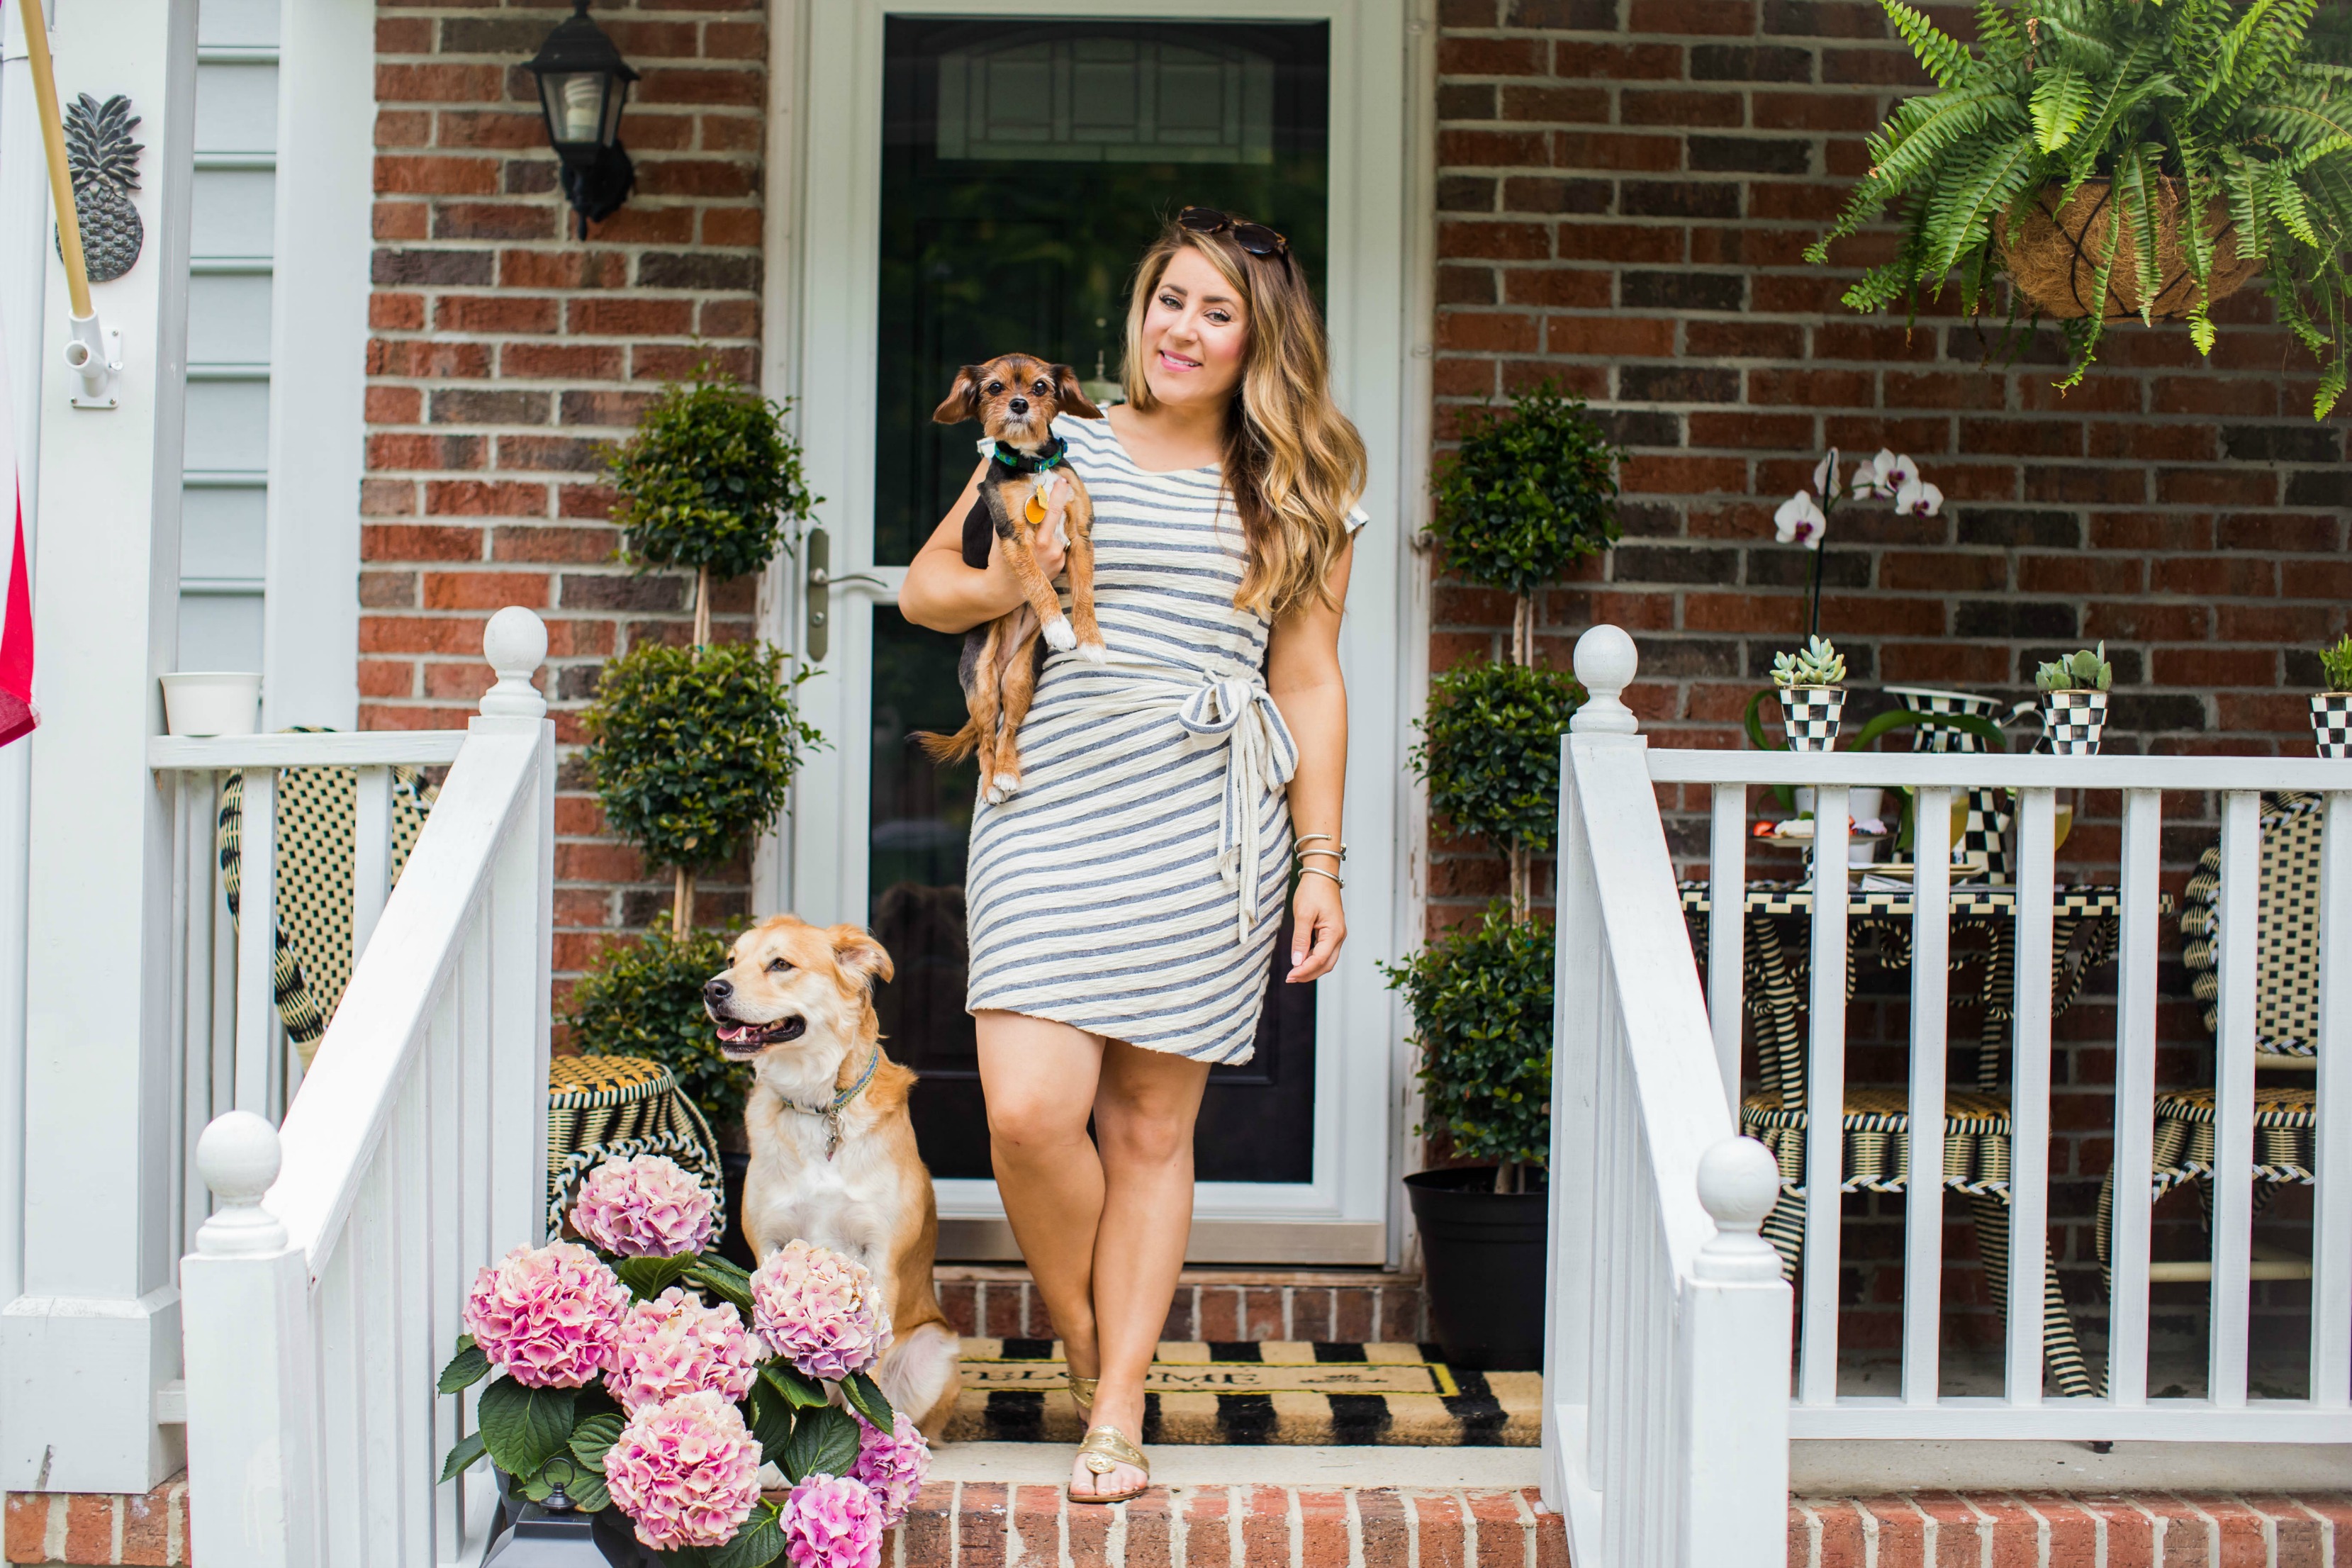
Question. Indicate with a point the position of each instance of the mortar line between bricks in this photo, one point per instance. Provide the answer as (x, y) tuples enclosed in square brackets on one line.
[(53, 1530), (1412, 1519), (1236, 1542), (1469, 1527), (1868, 1516), (1177, 1530), (1527, 1528), (114, 1508), (2212, 1527), (1354, 1528), (1294, 1518), (2045, 1534), (1987, 1526), (1812, 1523)]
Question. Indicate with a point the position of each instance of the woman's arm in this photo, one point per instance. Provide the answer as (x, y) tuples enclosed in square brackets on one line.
[(1302, 672), (941, 592)]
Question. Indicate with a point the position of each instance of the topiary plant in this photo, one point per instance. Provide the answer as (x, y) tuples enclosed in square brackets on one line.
[(1490, 750), (2121, 137), (1529, 490), (645, 999), (1481, 997), (693, 751), (708, 482)]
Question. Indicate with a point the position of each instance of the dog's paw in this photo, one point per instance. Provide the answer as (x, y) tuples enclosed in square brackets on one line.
[(1005, 786), (1058, 635), (1094, 652)]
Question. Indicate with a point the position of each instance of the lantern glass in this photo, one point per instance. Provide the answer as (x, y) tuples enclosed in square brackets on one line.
[(582, 108)]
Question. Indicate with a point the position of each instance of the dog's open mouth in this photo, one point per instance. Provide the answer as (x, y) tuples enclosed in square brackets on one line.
[(741, 1042)]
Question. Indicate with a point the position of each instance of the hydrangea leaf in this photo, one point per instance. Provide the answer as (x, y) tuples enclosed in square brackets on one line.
[(525, 1427)]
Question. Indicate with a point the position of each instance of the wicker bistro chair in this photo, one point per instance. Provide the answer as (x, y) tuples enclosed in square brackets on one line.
[(598, 1107), (2286, 1032)]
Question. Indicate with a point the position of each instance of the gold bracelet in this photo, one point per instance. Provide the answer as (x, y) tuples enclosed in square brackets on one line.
[(1318, 871)]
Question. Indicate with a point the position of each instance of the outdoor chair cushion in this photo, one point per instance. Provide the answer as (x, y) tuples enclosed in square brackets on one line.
[(2286, 986), (614, 1108)]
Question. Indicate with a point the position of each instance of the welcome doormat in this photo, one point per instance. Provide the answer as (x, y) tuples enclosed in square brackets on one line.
[(1273, 1390)]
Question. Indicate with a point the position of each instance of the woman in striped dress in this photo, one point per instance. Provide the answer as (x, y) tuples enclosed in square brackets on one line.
[(1125, 899)]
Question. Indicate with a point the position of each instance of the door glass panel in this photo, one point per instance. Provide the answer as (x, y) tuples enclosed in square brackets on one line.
[(1026, 166)]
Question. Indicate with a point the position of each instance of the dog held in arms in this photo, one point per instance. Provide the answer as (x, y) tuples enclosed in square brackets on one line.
[(832, 1150), (1028, 492)]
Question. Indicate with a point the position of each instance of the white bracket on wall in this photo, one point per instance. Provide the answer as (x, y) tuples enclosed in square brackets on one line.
[(94, 353)]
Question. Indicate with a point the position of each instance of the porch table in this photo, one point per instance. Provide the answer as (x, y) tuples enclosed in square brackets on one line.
[(2087, 920)]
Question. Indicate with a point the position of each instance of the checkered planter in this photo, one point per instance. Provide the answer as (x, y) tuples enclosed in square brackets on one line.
[(1810, 713), (2331, 724), (2072, 722)]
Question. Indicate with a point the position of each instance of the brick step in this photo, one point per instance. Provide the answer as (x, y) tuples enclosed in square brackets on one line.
[(1218, 1304)]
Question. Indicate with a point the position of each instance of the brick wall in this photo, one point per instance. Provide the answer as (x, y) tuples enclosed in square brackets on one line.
[(1625, 187), (505, 350)]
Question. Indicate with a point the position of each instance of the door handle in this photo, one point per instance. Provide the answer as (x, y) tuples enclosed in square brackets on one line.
[(820, 584)]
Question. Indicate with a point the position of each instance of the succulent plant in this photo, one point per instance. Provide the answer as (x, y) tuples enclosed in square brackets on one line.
[(2336, 666), (2086, 669), (1818, 663)]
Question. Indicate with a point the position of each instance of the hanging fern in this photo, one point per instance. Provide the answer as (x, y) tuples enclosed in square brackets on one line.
[(2183, 107)]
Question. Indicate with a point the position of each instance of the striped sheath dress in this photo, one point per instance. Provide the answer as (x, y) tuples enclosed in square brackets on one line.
[(1133, 886)]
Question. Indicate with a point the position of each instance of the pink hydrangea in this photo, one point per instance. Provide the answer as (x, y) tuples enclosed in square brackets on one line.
[(647, 1207), (816, 1308), (550, 1315), (673, 1344), (687, 1471), (891, 1463), (832, 1522)]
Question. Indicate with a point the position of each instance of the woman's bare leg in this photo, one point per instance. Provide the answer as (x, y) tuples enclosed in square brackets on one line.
[(1144, 1107), (1040, 1079)]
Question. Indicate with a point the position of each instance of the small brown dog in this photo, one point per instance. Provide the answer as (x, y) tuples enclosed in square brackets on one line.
[(1029, 490)]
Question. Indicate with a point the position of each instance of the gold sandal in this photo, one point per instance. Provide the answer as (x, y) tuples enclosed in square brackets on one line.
[(1104, 1451), (1082, 1394)]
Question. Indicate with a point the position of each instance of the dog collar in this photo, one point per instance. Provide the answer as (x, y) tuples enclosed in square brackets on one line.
[(1021, 463), (832, 1113)]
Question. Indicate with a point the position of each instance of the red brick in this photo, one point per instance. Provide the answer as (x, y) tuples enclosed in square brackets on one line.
[(929, 1533), (980, 1524), (1148, 1542), (90, 1526), (485, 590), (147, 1524), (27, 1526), (1502, 1537), (1208, 1542), (386, 541), (1381, 1525), (1440, 1523), (481, 498), (1266, 1526)]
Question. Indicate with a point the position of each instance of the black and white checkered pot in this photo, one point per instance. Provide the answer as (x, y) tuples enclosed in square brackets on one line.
[(1810, 713), (2331, 724), (2072, 722)]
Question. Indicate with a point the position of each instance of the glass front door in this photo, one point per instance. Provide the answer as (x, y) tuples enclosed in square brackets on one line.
[(1025, 165)]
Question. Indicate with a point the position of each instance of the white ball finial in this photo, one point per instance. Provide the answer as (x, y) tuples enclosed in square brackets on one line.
[(1605, 662), (1739, 1183), (515, 644), (238, 1157)]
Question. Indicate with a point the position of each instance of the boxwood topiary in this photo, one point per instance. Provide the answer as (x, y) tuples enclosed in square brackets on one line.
[(1481, 997), (1530, 491), (645, 999), (708, 479), (692, 756), (1490, 750)]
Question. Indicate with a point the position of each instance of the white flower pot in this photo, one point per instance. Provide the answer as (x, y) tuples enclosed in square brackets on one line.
[(2073, 721), (212, 703), (1810, 714), (2331, 724)]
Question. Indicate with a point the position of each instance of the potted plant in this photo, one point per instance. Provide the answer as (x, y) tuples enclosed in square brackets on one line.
[(2331, 711), (1812, 687), (637, 1381), (1531, 492), (2115, 159), (2074, 699)]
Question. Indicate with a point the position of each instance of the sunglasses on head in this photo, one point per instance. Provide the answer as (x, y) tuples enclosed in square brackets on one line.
[(1254, 237)]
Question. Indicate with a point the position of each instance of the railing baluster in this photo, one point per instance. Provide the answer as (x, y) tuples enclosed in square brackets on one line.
[(342, 1350), (412, 1366), (2237, 916), (1923, 1198), (371, 855), (257, 948), (1727, 932), (446, 1176), (2331, 1221), (1824, 1101), (2028, 1100), (2136, 976)]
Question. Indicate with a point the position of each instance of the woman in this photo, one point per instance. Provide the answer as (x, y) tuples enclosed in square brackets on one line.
[(1124, 902)]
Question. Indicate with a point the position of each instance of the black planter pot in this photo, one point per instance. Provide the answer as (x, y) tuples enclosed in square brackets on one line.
[(732, 1168), (1482, 1264)]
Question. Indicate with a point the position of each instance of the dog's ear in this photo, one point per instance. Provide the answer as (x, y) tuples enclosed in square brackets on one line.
[(1071, 395), (963, 398), (860, 956)]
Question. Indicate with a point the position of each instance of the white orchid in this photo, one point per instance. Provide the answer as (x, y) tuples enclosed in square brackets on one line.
[(1825, 476), (1894, 472), (1800, 521), (1919, 498)]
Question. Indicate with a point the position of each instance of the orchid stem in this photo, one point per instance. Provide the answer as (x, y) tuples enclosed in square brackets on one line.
[(1813, 608)]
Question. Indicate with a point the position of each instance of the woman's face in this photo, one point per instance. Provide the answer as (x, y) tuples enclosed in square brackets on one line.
[(1195, 332)]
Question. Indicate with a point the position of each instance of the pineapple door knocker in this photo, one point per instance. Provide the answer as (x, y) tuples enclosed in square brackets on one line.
[(104, 165)]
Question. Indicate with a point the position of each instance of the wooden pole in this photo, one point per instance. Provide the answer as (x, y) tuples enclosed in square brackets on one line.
[(701, 607), (53, 140), (681, 905)]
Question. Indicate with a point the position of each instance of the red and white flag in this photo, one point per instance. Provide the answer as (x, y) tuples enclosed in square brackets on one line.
[(17, 715)]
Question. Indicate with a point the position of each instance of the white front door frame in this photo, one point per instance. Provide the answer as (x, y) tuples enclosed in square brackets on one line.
[(824, 189)]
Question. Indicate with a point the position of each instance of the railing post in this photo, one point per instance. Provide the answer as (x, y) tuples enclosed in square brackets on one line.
[(1735, 1323), (253, 1442)]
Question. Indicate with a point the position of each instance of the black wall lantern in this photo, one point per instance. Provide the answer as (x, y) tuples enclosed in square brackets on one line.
[(582, 84)]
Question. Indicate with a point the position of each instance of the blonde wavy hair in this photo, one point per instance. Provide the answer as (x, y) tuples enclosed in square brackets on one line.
[(1293, 463)]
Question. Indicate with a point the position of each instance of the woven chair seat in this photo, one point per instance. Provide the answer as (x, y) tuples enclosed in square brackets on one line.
[(614, 1108), (1877, 1135), (2286, 981)]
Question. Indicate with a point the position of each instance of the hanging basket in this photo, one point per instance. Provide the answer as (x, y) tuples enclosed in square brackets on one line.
[(2053, 254)]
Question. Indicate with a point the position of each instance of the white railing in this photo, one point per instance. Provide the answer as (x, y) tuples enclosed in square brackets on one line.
[(324, 1292), (1665, 1418), (1613, 791)]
